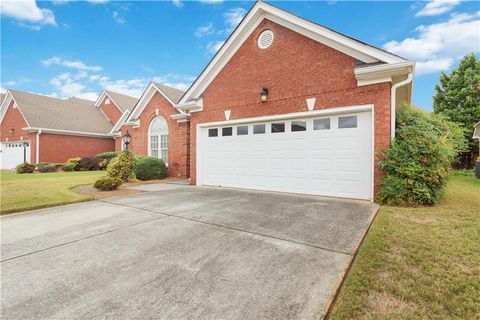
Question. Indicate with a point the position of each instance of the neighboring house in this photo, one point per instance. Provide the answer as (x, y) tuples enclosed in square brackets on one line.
[(159, 129), (328, 110), (476, 134), (46, 129)]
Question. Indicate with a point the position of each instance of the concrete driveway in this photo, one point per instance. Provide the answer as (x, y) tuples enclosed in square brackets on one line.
[(183, 252)]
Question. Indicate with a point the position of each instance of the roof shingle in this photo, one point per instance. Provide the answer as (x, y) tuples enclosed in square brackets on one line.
[(123, 101)]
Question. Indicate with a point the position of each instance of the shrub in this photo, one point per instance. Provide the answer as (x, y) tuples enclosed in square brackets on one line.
[(107, 155), (419, 159), (25, 168), (102, 164), (75, 161), (148, 168), (88, 164), (107, 183), (69, 166), (121, 167), (45, 168)]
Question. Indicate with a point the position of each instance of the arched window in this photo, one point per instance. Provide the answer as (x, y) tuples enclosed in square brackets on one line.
[(158, 139)]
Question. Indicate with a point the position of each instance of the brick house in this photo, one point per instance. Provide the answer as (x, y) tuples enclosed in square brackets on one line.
[(46, 129), (288, 105)]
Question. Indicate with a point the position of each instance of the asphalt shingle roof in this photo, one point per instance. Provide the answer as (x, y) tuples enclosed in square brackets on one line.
[(173, 94), (73, 114), (123, 101)]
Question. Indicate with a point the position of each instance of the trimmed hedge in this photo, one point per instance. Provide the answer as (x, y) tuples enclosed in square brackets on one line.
[(107, 155), (88, 164), (419, 159), (69, 166), (149, 168), (107, 183), (25, 168), (45, 168)]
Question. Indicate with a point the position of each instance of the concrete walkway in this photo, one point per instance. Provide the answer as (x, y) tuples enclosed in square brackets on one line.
[(180, 253)]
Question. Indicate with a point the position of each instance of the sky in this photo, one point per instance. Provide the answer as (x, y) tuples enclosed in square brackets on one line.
[(68, 48)]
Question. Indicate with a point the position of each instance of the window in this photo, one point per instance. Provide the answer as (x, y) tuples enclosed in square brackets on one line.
[(107, 101), (299, 126), (278, 127), (259, 128), (242, 130), (321, 124), (347, 122), (158, 139), (227, 131), (213, 132)]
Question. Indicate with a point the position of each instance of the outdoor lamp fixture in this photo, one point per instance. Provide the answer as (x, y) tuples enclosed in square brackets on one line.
[(25, 144), (11, 130), (264, 95), (126, 139)]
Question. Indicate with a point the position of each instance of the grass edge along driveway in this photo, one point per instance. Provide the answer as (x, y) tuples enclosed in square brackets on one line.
[(21, 192), (419, 262)]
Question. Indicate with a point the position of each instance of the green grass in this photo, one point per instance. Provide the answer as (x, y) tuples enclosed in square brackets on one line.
[(20, 192), (419, 263)]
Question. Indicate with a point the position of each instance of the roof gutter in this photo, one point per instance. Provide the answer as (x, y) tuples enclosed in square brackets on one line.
[(68, 132), (393, 102)]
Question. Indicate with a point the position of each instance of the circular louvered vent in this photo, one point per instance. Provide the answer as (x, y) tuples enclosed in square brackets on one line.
[(265, 39)]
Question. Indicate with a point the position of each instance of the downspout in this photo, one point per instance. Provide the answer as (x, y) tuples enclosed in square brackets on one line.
[(393, 102), (37, 146)]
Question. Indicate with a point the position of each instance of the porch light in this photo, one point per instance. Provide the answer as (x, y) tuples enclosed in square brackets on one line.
[(264, 95), (126, 139), (11, 131), (25, 145)]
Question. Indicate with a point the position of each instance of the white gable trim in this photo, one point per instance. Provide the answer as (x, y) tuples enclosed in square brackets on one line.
[(6, 102), (145, 99), (102, 97), (261, 10), (120, 121)]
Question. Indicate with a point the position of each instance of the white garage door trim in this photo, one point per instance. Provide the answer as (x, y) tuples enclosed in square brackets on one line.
[(297, 115), (13, 149)]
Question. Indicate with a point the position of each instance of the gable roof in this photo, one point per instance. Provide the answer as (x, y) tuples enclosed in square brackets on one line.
[(172, 95), (72, 114), (2, 95), (261, 10), (122, 101)]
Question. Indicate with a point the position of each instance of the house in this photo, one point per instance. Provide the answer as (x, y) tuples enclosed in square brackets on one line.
[(38, 128), (476, 134), (160, 129), (288, 105)]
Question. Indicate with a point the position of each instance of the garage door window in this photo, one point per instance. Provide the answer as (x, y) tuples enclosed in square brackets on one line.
[(226, 131), (299, 126), (213, 132), (259, 129), (278, 127), (347, 122), (158, 139), (242, 130), (321, 124)]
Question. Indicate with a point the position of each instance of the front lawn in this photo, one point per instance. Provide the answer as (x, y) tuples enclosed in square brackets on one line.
[(21, 192), (419, 262)]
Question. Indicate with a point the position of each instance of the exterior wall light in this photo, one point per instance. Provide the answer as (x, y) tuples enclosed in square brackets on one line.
[(264, 95), (126, 139)]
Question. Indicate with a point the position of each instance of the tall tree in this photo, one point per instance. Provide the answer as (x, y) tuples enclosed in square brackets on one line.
[(458, 98)]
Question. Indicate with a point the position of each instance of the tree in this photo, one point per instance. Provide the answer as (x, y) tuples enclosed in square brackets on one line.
[(458, 98)]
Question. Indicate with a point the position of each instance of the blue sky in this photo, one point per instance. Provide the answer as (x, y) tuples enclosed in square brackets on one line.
[(64, 48)]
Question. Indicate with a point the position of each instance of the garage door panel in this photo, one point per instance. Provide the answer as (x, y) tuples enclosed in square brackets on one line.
[(332, 162)]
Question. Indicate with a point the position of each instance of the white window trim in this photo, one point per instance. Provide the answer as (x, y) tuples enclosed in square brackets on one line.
[(159, 150)]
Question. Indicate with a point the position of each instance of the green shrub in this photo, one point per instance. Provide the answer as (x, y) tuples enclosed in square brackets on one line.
[(25, 168), (107, 155), (121, 167), (107, 183), (69, 166), (149, 168), (419, 159), (75, 161), (46, 168), (102, 164), (88, 164)]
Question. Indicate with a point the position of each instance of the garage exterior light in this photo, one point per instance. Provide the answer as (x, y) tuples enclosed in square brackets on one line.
[(264, 95)]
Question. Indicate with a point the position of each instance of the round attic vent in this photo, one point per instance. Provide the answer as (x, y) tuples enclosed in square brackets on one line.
[(265, 39)]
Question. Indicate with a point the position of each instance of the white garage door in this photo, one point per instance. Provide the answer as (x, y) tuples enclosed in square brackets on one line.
[(329, 155), (12, 154)]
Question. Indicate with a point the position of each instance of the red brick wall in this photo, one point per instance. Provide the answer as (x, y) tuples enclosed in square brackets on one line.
[(293, 68), (58, 148), (14, 120), (178, 136), (110, 110)]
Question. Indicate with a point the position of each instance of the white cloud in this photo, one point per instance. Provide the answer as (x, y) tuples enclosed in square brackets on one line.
[(97, 1), (211, 1), (205, 30), (439, 45), (28, 13), (132, 87), (117, 17), (2, 90), (214, 46), (66, 86), (437, 7), (233, 17), (177, 3), (74, 64)]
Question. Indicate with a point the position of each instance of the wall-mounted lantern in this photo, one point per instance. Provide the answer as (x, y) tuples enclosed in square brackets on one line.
[(264, 95)]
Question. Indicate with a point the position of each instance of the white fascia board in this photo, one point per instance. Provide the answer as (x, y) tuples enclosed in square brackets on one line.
[(181, 117), (382, 73), (387, 67), (191, 106), (294, 115), (68, 132), (102, 96), (5, 104), (120, 121)]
